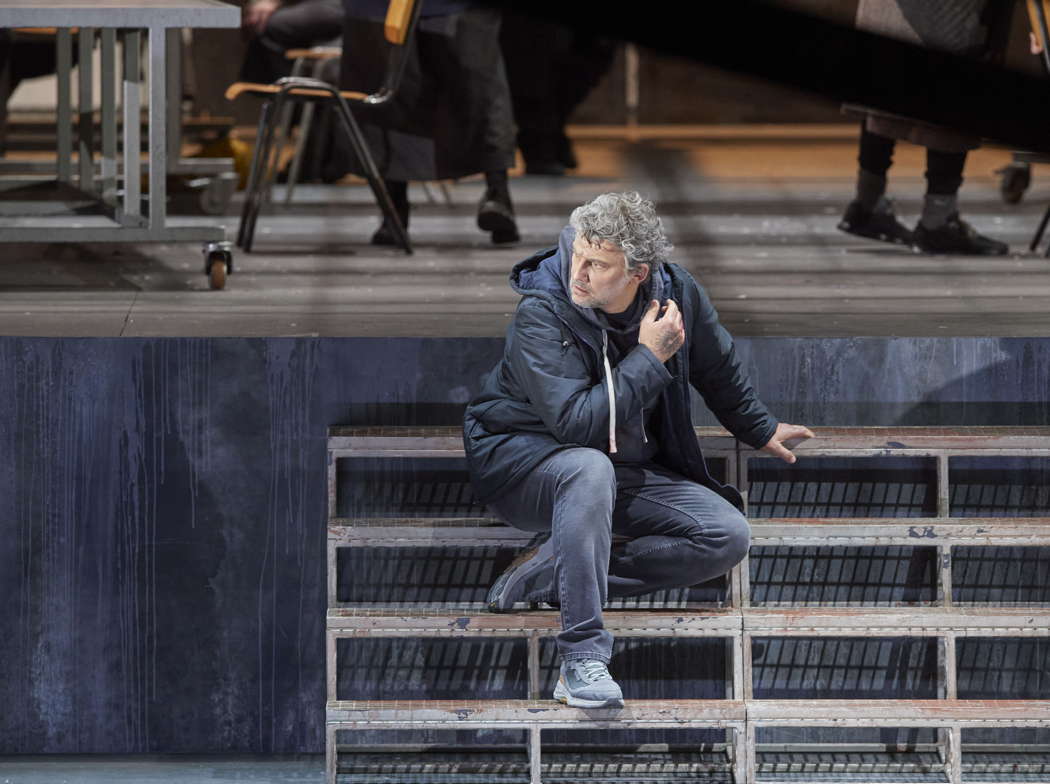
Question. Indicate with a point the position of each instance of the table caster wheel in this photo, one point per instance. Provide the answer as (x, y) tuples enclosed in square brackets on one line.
[(218, 263), (217, 274)]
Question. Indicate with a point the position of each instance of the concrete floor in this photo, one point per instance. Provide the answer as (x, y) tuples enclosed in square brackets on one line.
[(161, 769), (752, 214)]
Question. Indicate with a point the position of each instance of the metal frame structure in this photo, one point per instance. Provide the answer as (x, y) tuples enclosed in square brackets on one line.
[(738, 623), (123, 22)]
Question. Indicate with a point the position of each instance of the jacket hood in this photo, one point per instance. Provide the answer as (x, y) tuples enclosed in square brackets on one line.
[(546, 274)]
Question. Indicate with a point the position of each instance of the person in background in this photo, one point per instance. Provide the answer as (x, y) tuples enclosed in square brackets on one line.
[(451, 116), (547, 84), (275, 26), (974, 28)]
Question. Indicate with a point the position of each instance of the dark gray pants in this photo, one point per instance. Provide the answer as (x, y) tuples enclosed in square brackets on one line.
[(681, 533)]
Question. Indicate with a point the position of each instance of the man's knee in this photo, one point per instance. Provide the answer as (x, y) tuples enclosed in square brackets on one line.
[(738, 538), (726, 537), (587, 470)]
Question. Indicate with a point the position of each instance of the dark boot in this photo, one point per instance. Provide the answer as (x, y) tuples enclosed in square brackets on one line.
[(956, 237), (495, 211), (385, 235), (878, 224)]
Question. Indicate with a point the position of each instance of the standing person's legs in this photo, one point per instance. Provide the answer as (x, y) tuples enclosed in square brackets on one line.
[(870, 214), (940, 229)]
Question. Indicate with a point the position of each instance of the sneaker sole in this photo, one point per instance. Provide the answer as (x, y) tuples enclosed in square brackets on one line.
[(563, 696), (845, 227)]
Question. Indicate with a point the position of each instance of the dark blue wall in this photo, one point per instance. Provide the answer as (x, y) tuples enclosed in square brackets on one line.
[(162, 572)]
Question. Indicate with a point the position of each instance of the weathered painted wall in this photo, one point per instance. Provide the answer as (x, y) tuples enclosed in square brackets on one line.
[(161, 576)]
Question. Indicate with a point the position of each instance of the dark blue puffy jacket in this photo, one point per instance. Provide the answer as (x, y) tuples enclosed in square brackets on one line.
[(549, 391)]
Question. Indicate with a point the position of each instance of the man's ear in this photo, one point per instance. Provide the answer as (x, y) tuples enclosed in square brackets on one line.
[(641, 273)]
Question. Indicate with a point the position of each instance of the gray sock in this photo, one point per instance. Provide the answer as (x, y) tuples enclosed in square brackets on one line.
[(870, 188), (937, 208)]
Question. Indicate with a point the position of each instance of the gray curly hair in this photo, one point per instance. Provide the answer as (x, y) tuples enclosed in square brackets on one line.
[(627, 221)]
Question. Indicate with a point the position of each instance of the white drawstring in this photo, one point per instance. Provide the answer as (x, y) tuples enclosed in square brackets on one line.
[(612, 393)]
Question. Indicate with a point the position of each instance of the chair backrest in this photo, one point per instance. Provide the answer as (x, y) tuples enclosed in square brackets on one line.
[(1039, 17), (400, 24), (399, 20)]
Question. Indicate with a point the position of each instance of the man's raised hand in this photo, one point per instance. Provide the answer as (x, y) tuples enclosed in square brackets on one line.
[(663, 334), (785, 432)]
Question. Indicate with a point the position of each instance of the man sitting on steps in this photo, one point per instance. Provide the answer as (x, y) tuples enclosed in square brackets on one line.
[(583, 430)]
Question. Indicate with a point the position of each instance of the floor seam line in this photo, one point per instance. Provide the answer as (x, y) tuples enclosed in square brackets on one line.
[(127, 316)]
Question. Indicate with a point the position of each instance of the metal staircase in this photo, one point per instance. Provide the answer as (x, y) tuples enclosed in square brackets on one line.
[(733, 619)]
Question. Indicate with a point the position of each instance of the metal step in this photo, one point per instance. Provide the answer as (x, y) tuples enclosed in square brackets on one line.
[(877, 531), (346, 622), (899, 713), (863, 621), (829, 441), (917, 622), (548, 714)]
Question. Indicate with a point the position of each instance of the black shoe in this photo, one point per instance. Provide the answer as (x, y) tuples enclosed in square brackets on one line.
[(385, 233), (878, 224), (510, 587), (496, 215), (956, 237)]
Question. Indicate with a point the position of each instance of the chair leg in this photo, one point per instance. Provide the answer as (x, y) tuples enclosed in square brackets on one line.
[(305, 123), (300, 151), (266, 149), (1039, 232), (284, 118), (253, 175), (357, 140)]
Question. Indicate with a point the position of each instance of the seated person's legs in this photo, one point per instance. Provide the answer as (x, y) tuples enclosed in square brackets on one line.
[(681, 533), (870, 214), (940, 229), (306, 24), (571, 494)]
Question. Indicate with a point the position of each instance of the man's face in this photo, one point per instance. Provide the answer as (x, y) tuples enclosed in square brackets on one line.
[(599, 277)]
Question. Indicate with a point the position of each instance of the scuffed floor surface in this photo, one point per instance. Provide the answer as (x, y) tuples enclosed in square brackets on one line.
[(754, 217)]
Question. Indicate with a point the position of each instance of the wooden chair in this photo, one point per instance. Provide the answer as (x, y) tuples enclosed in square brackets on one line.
[(400, 22)]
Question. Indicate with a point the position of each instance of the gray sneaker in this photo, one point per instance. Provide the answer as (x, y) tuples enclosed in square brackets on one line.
[(586, 683), (511, 585)]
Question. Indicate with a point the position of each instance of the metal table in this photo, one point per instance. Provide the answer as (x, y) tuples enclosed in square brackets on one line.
[(121, 217)]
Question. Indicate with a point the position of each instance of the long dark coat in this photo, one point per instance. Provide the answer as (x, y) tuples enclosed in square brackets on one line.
[(548, 392), (452, 115)]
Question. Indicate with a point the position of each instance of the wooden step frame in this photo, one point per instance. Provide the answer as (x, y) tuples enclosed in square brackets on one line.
[(740, 622)]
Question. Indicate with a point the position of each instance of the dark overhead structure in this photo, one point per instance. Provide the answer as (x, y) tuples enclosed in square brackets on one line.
[(830, 59)]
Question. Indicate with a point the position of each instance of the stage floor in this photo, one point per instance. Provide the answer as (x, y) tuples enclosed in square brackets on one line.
[(752, 213)]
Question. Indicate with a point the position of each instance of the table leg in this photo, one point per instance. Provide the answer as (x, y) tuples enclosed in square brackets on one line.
[(86, 109), (132, 118), (63, 72), (108, 100), (158, 130), (173, 86)]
